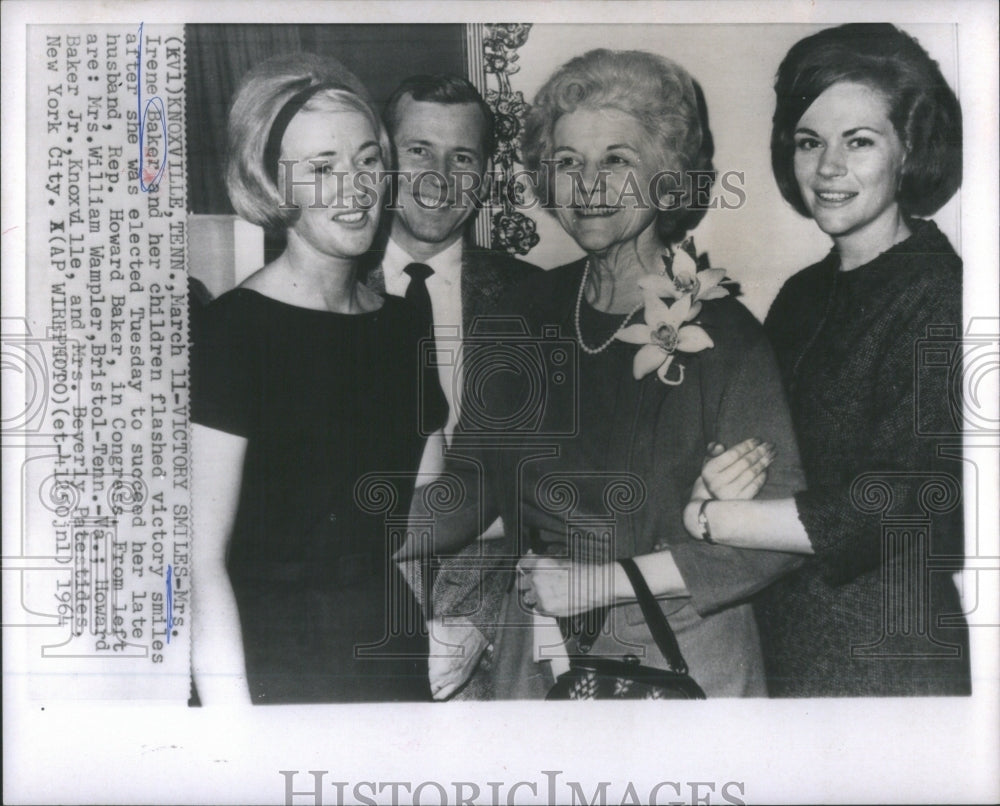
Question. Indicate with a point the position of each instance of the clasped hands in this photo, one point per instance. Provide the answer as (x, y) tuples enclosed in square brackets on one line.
[(553, 586), (558, 586), (738, 473)]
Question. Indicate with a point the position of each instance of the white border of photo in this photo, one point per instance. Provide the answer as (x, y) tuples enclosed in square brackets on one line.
[(806, 751)]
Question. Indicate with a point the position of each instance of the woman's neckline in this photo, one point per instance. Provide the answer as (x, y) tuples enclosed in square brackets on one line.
[(319, 311), (606, 314), (918, 229)]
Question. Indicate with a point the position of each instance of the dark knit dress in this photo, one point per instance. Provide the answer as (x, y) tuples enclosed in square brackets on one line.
[(333, 408), (875, 611)]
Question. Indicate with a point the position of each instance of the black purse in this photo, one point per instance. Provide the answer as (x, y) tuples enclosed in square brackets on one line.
[(627, 679)]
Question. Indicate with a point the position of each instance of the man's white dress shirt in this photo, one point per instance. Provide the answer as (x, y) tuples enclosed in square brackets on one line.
[(445, 290)]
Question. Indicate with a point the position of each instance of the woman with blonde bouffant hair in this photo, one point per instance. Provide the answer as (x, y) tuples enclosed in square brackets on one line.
[(303, 382)]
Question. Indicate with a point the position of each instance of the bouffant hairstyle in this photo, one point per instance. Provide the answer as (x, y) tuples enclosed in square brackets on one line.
[(267, 99), (442, 89), (922, 107), (660, 94)]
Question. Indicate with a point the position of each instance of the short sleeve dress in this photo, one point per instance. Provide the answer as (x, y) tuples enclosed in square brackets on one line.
[(334, 409), (597, 464)]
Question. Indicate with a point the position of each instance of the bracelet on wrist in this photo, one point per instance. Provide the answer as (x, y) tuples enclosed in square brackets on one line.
[(703, 527)]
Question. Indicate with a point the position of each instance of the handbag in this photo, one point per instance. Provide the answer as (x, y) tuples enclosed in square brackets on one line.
[(627, 679)]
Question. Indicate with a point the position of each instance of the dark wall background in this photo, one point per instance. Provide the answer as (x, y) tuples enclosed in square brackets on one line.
[(219, 55)]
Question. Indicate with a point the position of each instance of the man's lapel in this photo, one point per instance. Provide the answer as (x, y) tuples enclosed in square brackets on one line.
[(376, 279), (470, 296), (482, 285)]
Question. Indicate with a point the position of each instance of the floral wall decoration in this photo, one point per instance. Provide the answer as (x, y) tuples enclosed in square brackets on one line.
[(511, 231)]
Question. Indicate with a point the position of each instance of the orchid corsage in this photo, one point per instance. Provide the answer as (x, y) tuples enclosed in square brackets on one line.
[(669, 329)]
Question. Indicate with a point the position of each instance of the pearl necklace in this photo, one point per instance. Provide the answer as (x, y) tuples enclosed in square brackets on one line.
[(576, 318)]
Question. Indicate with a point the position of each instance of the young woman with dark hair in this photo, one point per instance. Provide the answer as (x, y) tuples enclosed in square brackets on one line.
[(867, 136)]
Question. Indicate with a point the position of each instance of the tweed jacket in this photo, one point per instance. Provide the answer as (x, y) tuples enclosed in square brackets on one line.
[(486, 276)]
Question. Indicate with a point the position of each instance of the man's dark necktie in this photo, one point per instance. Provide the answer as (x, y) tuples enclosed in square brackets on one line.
[(417, 295)]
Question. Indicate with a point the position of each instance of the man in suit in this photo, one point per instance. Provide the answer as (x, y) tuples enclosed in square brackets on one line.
[(442, 133)]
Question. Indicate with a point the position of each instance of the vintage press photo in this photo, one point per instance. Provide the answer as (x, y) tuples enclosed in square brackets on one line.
[(235, 421)]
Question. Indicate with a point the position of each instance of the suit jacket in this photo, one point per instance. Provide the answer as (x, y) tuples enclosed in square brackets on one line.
[(486, 276)]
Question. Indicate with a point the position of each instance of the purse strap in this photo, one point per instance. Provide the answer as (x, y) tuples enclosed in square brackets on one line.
[(659, 627)]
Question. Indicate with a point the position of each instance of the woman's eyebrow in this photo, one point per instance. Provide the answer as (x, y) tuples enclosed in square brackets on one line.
[(857, 129), (845, 133)]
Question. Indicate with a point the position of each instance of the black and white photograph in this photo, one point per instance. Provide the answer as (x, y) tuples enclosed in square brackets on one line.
[(380, 378)]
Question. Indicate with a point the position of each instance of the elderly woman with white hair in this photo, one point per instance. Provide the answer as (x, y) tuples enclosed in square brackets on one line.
[(666, 363)]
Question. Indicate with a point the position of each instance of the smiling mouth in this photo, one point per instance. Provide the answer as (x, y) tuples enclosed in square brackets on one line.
[(834, 197), (436, 203), (595, 212), (352, 217)]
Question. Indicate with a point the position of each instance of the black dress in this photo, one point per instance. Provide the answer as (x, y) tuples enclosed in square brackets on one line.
[(333, 408), (867, 358)]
